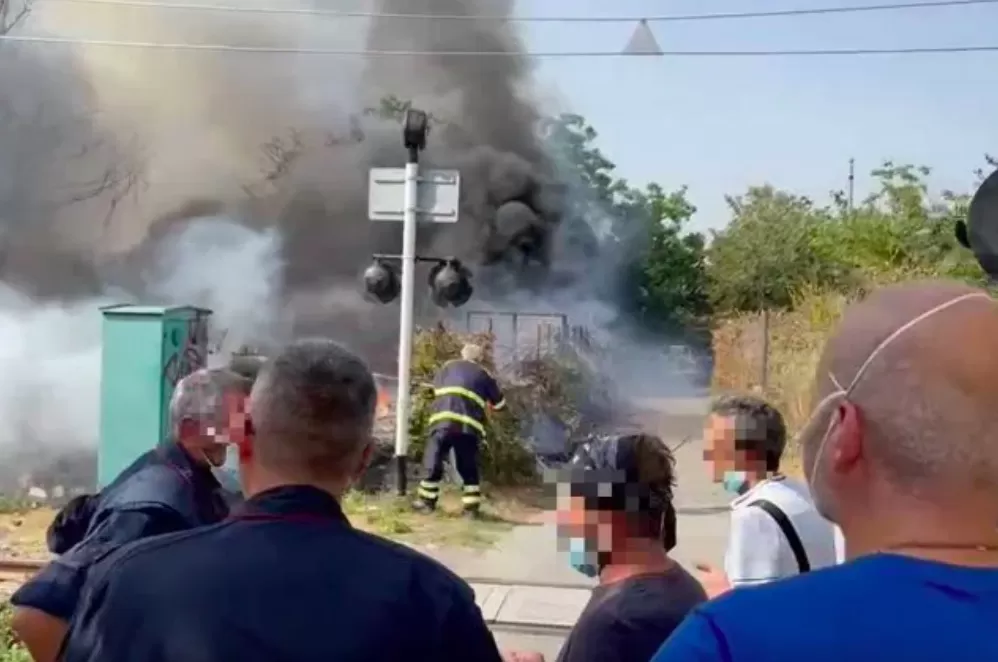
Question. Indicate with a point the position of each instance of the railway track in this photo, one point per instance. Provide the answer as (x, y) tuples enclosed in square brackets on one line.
[(20, 568)]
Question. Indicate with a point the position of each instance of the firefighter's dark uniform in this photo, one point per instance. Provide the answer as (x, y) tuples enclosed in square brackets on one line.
[(463, 392), (161, 492), (286, 578)]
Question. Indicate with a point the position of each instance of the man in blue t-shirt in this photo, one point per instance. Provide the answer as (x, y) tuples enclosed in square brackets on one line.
[(902, 453)]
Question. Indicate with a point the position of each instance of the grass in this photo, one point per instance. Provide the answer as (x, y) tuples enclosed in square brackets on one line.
[(10, 651), (393, 517)]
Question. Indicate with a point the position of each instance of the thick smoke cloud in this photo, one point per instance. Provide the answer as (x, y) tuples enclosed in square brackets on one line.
[(238, 181), (247, 173)]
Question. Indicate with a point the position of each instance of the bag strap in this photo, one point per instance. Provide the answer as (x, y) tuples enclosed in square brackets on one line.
[(781, 519)]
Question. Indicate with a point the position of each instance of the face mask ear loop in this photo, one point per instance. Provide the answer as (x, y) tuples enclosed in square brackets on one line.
[(844, 392), (905, 327)]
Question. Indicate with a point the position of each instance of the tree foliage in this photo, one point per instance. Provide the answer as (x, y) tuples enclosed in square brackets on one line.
[(642, 231), (779, 244)]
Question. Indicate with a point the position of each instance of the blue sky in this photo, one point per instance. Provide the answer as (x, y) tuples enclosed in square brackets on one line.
[(719, 125)]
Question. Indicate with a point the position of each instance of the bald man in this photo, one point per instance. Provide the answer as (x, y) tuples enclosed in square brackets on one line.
[(902, 453)]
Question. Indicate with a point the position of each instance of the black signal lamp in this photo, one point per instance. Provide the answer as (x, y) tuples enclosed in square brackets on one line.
[(381, 282)]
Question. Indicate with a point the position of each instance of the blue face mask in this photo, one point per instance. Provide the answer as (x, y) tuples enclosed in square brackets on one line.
[(228, 474), (735, 482), (579, 557)]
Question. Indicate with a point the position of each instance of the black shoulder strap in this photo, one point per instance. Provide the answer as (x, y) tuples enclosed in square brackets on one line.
[(789, 532)]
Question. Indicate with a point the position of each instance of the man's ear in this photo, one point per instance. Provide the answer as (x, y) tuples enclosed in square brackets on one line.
[(848, 448), (245, 444), (366, 456)]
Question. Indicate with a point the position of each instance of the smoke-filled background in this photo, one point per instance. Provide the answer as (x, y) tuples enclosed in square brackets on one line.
[(238, 181)]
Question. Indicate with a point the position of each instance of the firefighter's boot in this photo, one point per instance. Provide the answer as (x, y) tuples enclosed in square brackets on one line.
[(429, 493)]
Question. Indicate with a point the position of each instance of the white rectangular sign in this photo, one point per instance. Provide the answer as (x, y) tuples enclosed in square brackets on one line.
[(437, 200)]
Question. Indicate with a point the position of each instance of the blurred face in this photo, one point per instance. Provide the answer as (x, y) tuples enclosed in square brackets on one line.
[(721, 451), (590, 534), (209, 441)]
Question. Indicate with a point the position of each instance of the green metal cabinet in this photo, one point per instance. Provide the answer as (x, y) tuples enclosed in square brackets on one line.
[(146, 351)]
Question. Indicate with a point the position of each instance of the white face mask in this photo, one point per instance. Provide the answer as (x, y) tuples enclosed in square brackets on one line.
[(823, 501)]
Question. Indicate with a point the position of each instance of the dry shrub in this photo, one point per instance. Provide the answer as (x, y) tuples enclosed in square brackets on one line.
[(796, 339)]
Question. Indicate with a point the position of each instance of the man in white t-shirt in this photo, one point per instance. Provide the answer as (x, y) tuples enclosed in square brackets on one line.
[(776, 531)]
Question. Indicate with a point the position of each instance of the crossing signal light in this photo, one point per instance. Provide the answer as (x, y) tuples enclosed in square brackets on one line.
[(450, 284), (381, 281)]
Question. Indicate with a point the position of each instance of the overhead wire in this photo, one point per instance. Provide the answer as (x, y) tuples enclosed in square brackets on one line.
[(669, 18), (277, 50)]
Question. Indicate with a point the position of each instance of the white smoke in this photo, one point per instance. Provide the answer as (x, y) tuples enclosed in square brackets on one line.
[(50, 361), (50, 353), (232, 270)]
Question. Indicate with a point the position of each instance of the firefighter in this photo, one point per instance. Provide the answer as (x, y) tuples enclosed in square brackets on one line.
[(463, 392)]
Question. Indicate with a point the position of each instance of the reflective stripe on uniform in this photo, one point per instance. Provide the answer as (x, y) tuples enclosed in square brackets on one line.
[(457, 418), (472, 495), (461, 392), (428, 490)]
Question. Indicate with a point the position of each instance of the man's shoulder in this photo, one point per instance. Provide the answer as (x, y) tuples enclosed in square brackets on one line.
[(153, 481), (425, 570), (139, 557), (792, 597)]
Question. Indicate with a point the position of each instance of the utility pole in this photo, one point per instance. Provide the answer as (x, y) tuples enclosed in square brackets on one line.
[(410, 195), (415, 141), (852, 184)]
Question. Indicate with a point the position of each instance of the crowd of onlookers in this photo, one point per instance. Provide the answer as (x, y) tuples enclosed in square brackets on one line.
[(888, 550)]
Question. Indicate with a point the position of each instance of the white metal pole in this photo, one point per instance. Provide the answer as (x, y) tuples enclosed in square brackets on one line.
[(403, 399)]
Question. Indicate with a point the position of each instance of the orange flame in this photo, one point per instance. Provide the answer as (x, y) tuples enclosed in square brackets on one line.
[(384, 403)]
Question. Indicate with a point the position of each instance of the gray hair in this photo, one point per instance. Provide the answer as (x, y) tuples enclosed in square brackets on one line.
[(200, 396), (313, 408)]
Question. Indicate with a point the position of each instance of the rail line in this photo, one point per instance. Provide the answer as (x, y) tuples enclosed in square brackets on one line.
[(22, 568)]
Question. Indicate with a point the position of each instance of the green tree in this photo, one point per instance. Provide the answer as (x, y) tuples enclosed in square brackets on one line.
[(900, 232), (661, 266), (769, 250), (666, 281), (779, 244)]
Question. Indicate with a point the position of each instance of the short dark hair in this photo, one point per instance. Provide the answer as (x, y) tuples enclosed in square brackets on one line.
[(312, 408), (758, 426)]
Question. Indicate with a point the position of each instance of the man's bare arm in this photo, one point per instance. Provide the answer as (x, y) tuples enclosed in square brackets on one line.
[(41, 633)]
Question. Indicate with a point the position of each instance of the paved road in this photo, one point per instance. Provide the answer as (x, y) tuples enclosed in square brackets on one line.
[(516, 581)]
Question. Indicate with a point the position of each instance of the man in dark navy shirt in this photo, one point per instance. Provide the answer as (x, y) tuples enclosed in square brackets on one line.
[(615, 509), (286, 577), (170, 488)]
